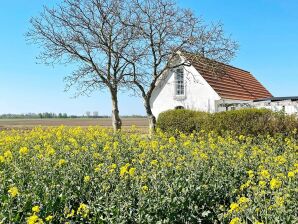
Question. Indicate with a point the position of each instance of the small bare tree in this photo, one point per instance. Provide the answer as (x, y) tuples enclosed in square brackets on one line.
[(164, 29), (89, 34)]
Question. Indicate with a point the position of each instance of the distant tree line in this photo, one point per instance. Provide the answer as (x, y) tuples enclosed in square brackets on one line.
[(37, 115), (49, 115)]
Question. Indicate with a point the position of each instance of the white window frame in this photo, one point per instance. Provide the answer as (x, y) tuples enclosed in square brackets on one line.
[(179, 82)]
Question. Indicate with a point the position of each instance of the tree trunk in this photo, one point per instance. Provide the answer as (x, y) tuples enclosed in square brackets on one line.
[(116, 121), (150, 116)]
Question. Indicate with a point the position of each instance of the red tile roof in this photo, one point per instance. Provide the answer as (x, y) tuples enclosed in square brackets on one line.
[(235, 83)]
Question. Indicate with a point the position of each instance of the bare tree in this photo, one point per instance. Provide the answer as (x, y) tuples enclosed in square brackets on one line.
[(164, 30), (89, 34)]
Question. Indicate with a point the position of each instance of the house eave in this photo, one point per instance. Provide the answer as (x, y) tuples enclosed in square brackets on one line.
[(275, 99)]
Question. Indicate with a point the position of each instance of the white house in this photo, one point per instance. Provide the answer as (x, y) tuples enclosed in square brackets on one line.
[(194, 87)]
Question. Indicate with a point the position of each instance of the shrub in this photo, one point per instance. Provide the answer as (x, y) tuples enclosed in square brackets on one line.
[(182, 120), (253, 122), (282, 123), (243, 121)]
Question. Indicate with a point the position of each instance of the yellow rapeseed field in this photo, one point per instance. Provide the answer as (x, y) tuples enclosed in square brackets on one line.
[(74, 175)]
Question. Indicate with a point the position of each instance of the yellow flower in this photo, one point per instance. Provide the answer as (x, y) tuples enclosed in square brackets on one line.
[(107, 147), (36, 209), (8, 155), (145, 188), (96, 155), (235, 221), (265, 174), (243, 200), (187, 143), (98, 167), (132, 171), (291, 174), (280, 160), (262, 183), (83, 210), (71, 214), (50, 151), (241, 137), (257, 222), (203, 156), (172, 140), (275, 183), (123, 169), (234, 207), (13, 191), (2, 159), (61, 162), (84, 148), (154, 144), (23, 151), (36, 147), (246, 185), (87, 179), (49, 218), (154, 162), (250, 173), (279, 201), (34, 219), (113, 166)]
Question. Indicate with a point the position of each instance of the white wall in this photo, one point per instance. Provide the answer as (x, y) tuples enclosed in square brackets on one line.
[(288, 106), (291, 109), (199, 95), (237, 104)]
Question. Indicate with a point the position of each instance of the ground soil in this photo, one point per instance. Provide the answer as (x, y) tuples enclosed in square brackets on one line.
[(6, 124)]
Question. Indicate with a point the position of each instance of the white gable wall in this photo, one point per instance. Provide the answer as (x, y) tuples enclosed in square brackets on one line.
[(199, 95)]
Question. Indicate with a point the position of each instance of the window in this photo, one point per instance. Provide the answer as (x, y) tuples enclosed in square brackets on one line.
[(180, 90)]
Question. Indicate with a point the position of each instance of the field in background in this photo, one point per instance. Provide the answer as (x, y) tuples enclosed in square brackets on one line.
[(141, 123)]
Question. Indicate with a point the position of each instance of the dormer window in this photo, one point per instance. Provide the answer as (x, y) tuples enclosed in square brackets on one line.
[(179, 82)]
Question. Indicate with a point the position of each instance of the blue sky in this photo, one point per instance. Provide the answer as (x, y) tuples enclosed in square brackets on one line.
[(267, 31)]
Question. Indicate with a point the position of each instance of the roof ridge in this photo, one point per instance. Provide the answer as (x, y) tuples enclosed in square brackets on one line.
[(228, 65)]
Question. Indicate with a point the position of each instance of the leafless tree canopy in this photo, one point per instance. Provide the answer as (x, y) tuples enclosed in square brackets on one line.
[(164, 29), (89, 34)]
